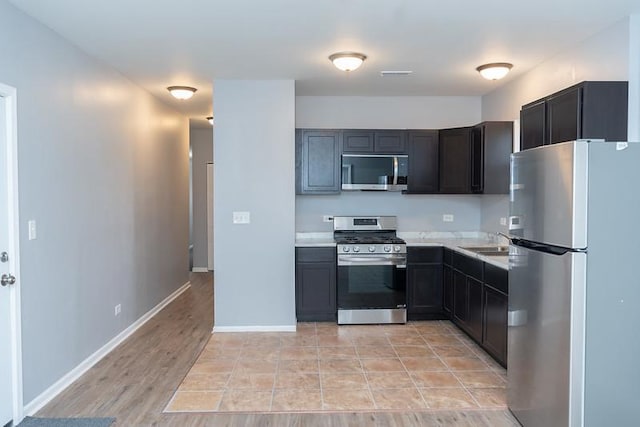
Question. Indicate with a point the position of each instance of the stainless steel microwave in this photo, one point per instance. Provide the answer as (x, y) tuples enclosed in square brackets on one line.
[(382, 172)]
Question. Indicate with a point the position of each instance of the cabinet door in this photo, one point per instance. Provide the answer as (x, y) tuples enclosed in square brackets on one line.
[(315, 284), (563, 116), (455, 160), (318, 162), (498, 146), (495, 323), (424, 290), (460, 298), (423, 162), (390, 141), (533, 125), (447, 284), (477, 159), (474, 314), (357, 141), (605, 109)]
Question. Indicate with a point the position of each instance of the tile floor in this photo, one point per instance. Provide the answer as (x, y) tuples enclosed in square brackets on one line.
[(324, 367)]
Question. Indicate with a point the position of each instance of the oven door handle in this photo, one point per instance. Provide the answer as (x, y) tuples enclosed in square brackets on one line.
[(400, 262)]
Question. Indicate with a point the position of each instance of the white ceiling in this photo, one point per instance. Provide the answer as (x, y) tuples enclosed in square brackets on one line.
[(158, 43)]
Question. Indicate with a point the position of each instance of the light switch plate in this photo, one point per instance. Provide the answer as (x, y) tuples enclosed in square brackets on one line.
[(241, 217), (503, 221), (447, 218), (32, 229)]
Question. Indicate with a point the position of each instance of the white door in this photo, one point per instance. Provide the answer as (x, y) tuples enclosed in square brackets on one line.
[(210, 216), (10, 400)]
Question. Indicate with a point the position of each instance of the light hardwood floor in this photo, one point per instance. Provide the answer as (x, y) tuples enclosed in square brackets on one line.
[(135, 382)]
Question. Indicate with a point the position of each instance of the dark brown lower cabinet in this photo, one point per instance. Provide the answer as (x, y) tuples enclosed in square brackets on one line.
[(495, 323), (447, 288), (474, 317), (476, 300), (424, 283), (496, 303), (316, 284), (460, 299)]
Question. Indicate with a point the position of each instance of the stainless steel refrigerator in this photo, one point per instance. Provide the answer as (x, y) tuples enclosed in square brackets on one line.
[(574, 285)]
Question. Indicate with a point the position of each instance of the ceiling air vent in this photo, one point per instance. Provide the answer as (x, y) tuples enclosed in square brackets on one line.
[(395, 73)]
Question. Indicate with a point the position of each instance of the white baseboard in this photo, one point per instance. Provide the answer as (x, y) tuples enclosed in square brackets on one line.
[(273, 328), (200, 270), (46, 396)]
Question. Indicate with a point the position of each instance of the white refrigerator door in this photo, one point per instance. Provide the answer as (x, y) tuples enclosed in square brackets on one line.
[(548, 196), (545, 337)]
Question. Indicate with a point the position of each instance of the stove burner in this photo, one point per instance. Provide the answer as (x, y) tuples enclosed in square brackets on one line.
[(346, 240)]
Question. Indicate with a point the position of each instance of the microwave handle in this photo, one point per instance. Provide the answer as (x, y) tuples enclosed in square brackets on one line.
[(395, 170)]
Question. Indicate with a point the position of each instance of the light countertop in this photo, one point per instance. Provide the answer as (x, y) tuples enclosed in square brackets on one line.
[(451, 240)]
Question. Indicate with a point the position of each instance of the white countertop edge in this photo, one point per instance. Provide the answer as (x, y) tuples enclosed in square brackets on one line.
[(318, 240), (315, 240)]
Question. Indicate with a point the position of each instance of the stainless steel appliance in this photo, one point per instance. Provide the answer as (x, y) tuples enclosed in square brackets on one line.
[(383, 172), (574, 288), (372, 276)]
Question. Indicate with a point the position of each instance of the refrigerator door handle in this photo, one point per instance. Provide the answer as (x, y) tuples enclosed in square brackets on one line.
[(517, 317)]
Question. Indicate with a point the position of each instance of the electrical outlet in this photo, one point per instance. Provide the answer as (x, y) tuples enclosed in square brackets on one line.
[(241, 217), (117, 309), (447, 218), (327, 218), (503, 221)]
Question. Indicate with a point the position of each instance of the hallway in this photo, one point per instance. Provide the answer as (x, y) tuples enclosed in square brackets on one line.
[(136, 381)]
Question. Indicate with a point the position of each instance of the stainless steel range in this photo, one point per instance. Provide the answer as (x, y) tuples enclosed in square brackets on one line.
[(372, 264)]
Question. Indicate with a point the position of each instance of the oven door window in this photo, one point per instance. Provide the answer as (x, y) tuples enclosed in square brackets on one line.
[(371, 286)]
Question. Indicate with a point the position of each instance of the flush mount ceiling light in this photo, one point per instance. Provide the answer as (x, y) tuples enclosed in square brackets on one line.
[(210, 118), (347, 61), (495, 70), (182, 92)]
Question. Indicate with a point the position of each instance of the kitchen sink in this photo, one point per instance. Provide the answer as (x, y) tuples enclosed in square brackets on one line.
[(488, 250)]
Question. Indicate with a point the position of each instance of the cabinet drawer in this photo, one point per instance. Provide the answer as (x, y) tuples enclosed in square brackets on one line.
[(469, 266), (315, 254), (496, 277), (424, 255)]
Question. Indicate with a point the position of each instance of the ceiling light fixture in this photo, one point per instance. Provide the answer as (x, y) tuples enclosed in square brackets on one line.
[(210, 118), (347, 61), (495, 70), (182, 92)]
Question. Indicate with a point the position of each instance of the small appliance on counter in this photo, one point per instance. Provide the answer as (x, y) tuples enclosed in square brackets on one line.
[(574, 292), (372, 262)]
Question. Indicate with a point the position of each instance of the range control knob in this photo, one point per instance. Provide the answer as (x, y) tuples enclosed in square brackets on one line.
[(396, 248), (345, 249), (372, 248), (356, 249), (387, 248)]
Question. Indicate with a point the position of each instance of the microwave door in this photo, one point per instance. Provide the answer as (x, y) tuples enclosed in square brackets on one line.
[(381, 172)]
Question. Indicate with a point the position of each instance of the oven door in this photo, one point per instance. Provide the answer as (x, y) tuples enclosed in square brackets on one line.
[(372, 282)]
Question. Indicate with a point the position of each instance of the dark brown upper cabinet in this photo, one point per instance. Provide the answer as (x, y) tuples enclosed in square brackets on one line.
[(318, 162), (357, 141), (491, 148), (533, 119), (455, 160), (423, 148), (374, 141), (588, 110)]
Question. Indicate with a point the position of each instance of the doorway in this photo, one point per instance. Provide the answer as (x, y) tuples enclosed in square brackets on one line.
[(10, 331)]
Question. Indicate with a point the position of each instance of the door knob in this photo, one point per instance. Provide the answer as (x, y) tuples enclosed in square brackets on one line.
[(7, 279)]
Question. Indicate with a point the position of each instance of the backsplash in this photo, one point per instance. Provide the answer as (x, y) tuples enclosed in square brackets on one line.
[(494, 207), (414, 212)]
